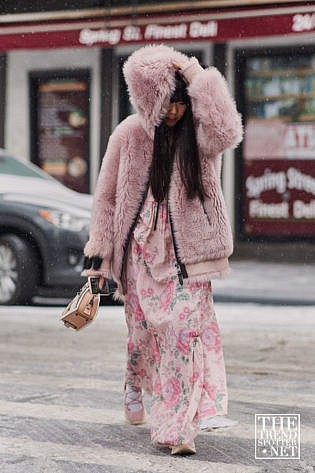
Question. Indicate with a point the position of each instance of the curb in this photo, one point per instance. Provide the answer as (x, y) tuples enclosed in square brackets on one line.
[(263, 300)]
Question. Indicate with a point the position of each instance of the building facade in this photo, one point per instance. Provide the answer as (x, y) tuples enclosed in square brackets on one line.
[(63, 92)]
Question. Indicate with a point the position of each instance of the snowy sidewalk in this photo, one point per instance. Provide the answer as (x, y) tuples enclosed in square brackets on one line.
[(270, 283), (61, 394)]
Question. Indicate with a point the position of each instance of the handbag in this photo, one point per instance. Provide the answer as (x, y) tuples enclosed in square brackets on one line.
[(82, 309)]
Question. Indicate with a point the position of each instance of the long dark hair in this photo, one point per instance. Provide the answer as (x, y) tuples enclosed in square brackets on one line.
[(177, 144)]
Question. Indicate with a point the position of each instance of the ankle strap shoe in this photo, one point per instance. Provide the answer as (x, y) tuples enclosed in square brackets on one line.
[(134, 409)]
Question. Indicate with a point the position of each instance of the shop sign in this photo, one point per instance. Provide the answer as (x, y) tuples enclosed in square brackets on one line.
[(279, 178), (221, 29), (211, 27), (151, 32), (279, 139)]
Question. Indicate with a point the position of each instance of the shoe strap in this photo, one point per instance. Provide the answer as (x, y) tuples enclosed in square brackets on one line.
[(133, 396)]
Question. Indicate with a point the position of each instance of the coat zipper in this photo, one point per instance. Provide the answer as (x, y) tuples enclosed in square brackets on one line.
[(128, 239), (156, 215), (181, 268)]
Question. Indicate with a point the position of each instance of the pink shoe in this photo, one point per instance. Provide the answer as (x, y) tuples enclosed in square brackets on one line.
[(134, 409)]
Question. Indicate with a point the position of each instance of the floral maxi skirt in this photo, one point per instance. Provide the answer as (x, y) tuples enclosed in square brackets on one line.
[(174, 349)]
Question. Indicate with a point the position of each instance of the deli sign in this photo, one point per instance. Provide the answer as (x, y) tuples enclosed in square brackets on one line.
[(279, 178), (151, 32), (215, 28), (210, 26)]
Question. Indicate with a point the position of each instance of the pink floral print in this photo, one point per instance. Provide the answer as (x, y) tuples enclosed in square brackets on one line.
[(174, 347), (211, 337), (166, 297), (184, 340), (171, 392)]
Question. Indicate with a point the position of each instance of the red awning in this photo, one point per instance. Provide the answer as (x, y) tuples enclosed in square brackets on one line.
[(205, 25)]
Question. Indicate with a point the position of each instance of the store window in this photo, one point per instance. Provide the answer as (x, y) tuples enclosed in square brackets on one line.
[(278, 178), (60, 126), (2, 96)]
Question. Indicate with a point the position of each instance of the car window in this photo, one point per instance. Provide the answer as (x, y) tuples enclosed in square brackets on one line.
[(10, 165)]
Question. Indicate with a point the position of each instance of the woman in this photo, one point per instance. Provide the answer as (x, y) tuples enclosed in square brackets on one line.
[(159, 227)]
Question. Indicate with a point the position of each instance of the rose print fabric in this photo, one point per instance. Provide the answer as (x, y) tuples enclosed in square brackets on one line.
[(174, 347)]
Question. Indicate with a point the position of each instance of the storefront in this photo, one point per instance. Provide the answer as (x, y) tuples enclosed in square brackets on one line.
[(65, 93), (277, 183)]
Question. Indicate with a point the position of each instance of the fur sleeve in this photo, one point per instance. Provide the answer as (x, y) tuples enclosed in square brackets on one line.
[(218, 124), (102, 226)]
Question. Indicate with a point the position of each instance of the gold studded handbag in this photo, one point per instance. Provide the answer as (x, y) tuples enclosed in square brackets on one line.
[(82, 309)]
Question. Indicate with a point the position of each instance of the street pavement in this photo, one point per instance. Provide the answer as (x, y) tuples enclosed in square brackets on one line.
[(61, 392), (267, 283)]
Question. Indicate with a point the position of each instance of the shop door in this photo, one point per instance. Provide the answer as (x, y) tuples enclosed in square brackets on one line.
[(277, 179), (60, 126)]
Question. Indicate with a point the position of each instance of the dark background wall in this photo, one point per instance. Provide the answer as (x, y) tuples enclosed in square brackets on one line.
[(20, 6), (27, 6)]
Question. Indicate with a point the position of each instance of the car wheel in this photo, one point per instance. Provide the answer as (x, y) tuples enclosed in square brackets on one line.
[(18, 271)]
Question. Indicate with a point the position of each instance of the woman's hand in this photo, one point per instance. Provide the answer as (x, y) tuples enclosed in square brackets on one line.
[(188, 68), (179, 66), (101, 282)]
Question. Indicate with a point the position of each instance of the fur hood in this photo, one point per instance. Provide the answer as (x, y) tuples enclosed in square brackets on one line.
[(150, 76)]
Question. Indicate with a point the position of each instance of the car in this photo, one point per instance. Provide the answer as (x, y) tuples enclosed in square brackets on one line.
[(43, 230)]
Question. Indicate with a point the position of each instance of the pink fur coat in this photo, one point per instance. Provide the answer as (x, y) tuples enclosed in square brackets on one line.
[(202, 230)]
